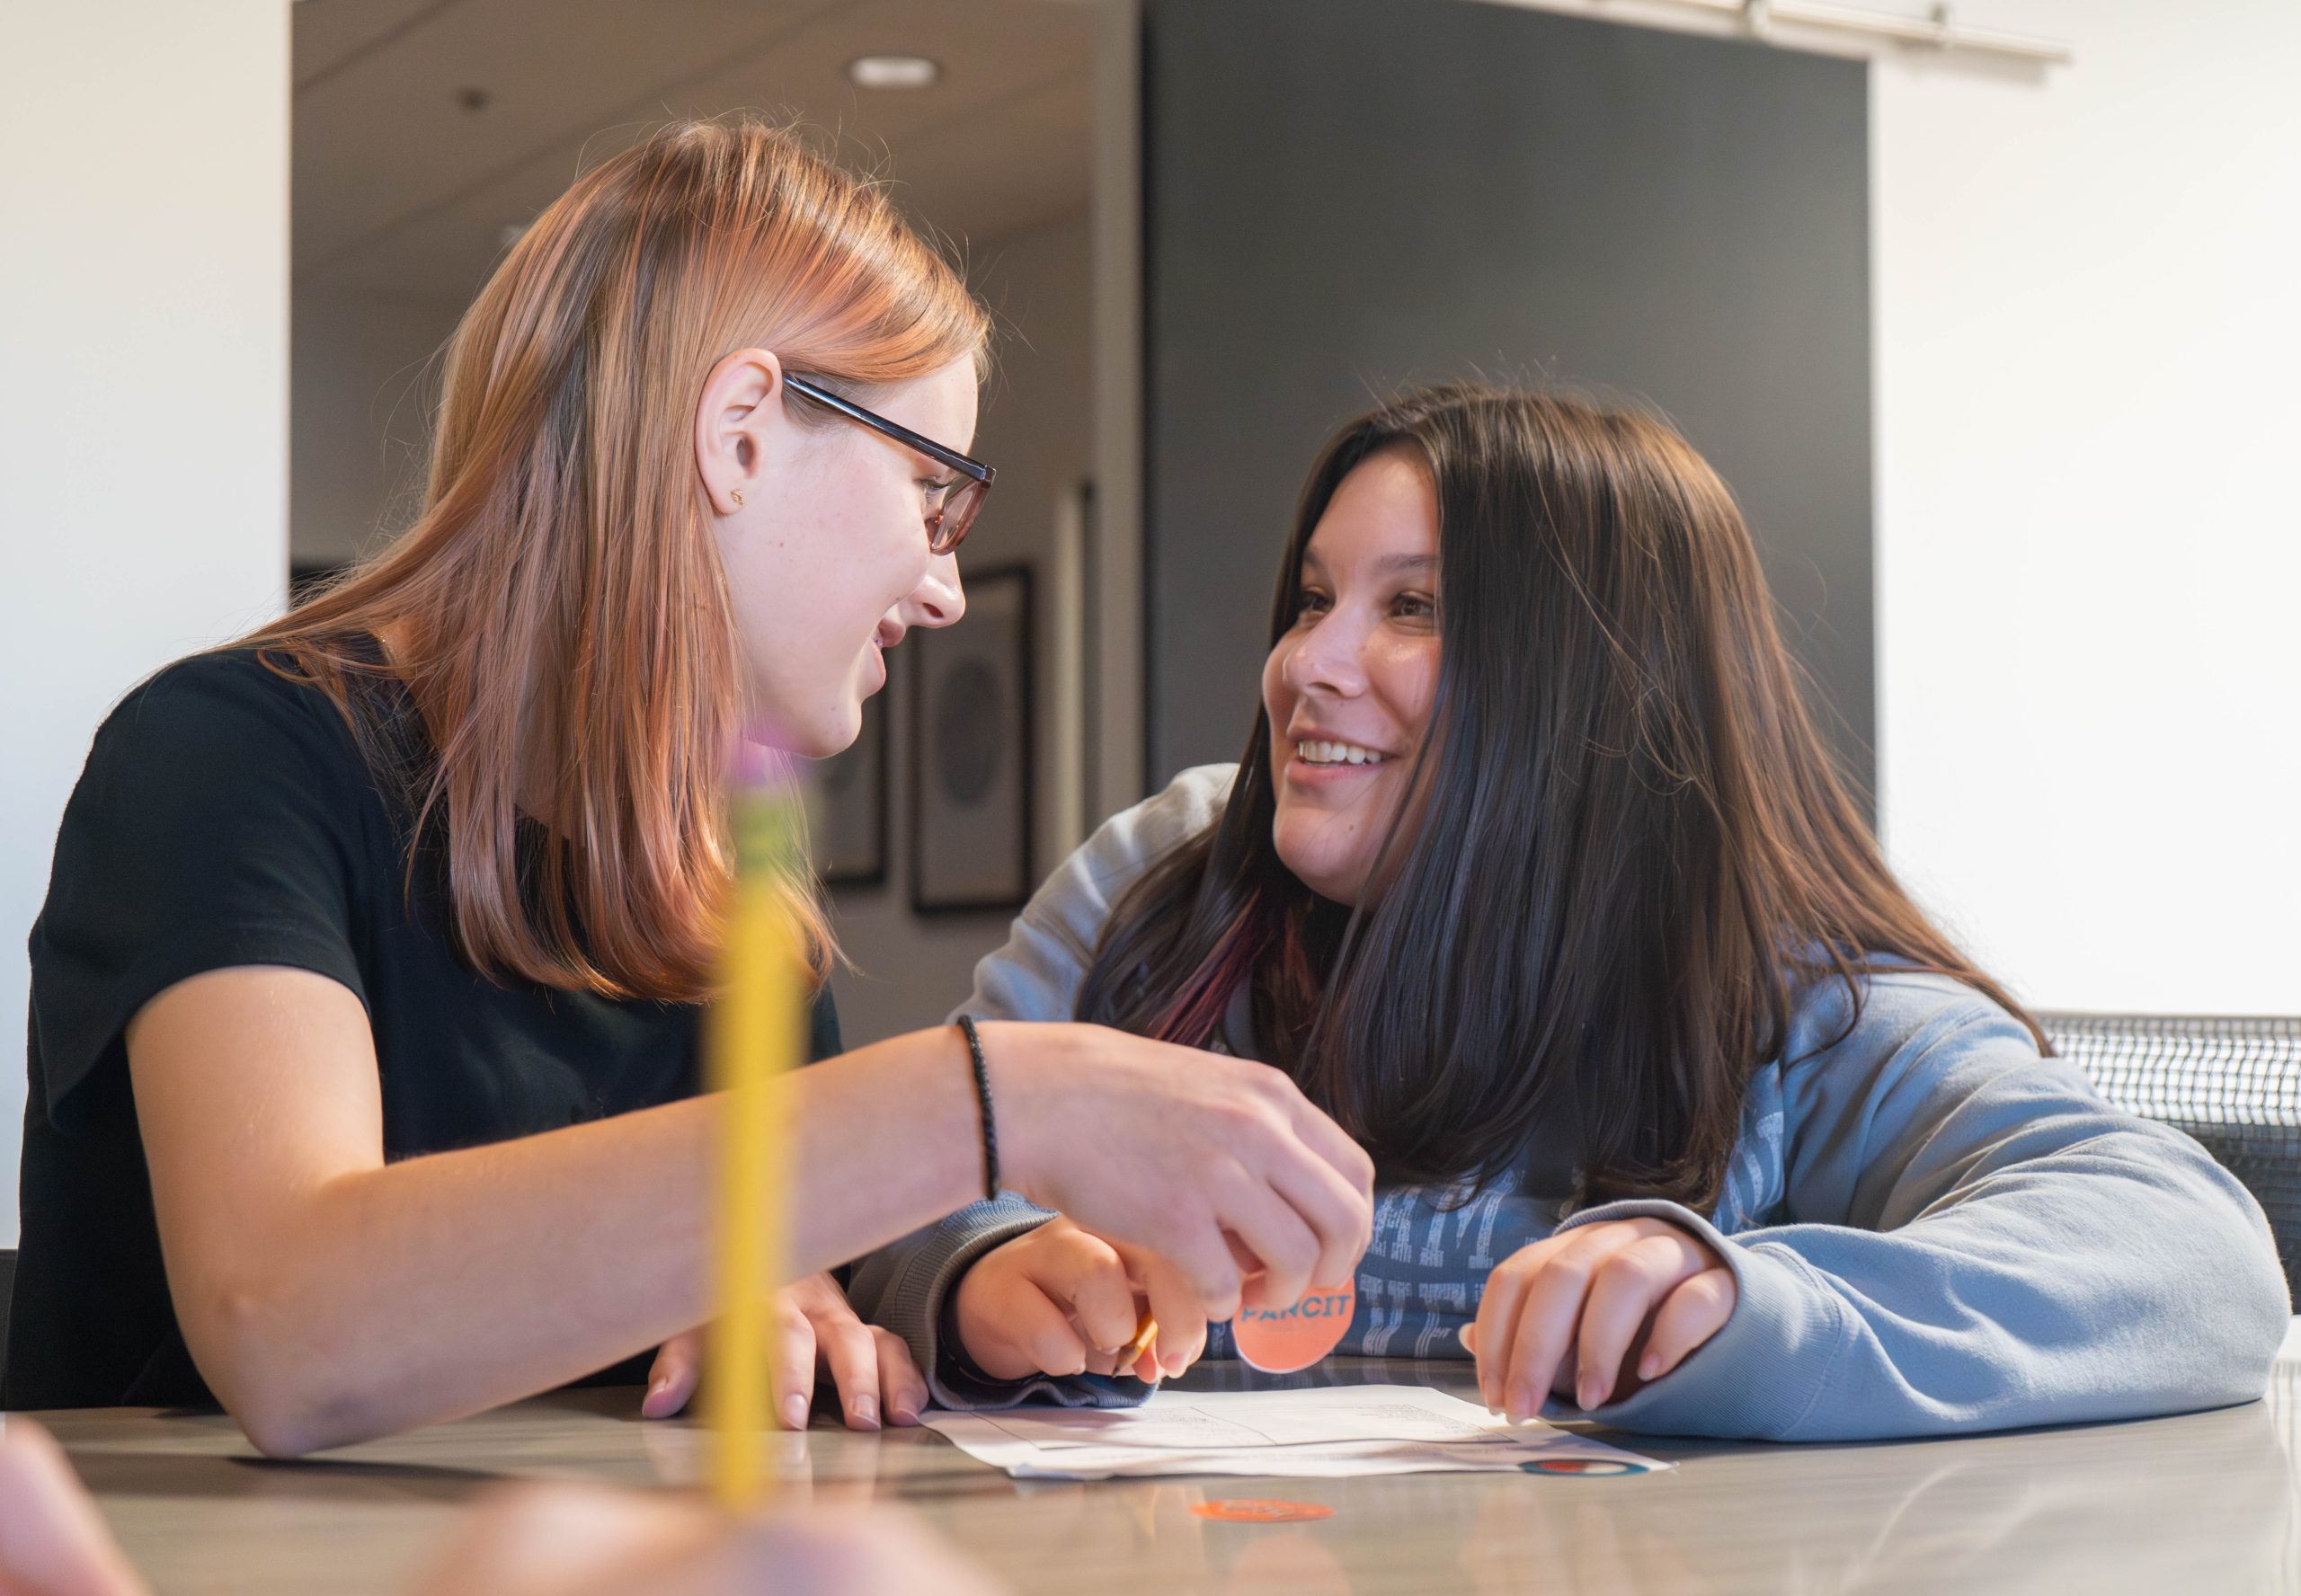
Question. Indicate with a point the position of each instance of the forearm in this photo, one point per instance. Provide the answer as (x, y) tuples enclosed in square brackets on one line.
[(2125, 1277), (889, 1138), (422, 1290), (402, 1295), (328, 1297)]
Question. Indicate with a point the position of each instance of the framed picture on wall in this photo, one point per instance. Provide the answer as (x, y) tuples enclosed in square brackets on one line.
[(847, 806), (971, 730)]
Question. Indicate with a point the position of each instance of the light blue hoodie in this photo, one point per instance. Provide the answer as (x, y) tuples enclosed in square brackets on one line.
[(1931, 1228)]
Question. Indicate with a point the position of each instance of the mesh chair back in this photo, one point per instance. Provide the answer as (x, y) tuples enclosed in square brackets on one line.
[(2234, 1084)]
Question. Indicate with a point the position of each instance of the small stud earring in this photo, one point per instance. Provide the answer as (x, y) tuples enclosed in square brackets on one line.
[(736, 494)]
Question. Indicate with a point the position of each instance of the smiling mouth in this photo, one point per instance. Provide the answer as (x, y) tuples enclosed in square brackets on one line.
[(1333, 754)]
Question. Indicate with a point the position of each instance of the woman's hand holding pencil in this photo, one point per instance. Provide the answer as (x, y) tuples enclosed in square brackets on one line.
[(1059, 1300)]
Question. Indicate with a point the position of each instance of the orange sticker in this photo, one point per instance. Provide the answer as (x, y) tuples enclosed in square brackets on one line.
[(1280, 1341), (1261, 1510)]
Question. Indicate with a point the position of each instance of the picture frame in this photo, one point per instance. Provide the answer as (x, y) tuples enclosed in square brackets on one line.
[(973, 731), (847, 806)]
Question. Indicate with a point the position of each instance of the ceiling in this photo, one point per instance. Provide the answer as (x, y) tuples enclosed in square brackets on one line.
[(424, 128)]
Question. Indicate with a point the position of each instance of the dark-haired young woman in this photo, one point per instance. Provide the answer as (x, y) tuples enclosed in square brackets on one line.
[(1537, 877)]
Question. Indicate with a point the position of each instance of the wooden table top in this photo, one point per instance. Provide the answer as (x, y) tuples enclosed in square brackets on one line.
[(2204, 1504)]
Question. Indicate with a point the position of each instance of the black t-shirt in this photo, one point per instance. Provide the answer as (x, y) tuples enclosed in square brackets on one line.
[(226, 817)]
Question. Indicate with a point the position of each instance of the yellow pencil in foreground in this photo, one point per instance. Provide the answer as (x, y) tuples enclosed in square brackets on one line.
[(753, 1034)]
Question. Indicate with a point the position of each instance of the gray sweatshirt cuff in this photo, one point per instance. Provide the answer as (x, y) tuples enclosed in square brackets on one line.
[(1761, 1374), (906, 1287)]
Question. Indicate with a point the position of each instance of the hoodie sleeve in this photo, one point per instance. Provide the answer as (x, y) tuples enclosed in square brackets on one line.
[(1971, 1240), (906, 1286)]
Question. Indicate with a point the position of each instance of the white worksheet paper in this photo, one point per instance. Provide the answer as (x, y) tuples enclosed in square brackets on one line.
[(1330, 1432)]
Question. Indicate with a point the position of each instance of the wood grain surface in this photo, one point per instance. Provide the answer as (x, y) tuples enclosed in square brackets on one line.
[(2196, 1504)]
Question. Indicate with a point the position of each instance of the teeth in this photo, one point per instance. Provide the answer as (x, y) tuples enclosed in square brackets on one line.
[(1335, 753)]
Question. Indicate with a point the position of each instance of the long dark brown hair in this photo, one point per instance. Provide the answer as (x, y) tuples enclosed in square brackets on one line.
[(1632, 849)]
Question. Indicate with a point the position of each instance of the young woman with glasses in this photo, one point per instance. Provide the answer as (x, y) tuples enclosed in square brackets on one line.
[(365, 998)]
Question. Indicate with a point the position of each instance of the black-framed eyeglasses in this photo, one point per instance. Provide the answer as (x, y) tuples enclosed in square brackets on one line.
[(948, 521)]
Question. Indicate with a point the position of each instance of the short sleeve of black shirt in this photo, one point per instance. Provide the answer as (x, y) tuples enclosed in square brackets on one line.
[(227, 817), (213, 825)]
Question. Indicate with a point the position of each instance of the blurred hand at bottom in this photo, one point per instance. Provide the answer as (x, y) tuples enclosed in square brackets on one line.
[(53, 1542), (583, 1540), (528, 1541)]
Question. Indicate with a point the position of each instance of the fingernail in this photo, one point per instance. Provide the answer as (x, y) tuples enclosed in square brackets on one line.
[(660, 1386), (902, 1414), (1588, 1393), (795, 1413), (1466, 1333), (863, 1412), (1649, 1366), (1518, 1402)]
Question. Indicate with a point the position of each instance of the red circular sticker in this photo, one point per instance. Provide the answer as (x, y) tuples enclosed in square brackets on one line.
[(1583, 1465), (1280, 1341), (1261, 1510)]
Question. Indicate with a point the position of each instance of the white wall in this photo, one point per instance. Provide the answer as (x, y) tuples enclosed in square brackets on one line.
[(142, 386), (2088, 548)]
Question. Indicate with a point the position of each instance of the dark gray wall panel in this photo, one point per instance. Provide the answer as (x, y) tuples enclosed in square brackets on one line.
[(1345, 195)]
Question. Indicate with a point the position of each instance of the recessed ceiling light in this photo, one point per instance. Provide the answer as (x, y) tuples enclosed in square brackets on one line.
[(892, 72)]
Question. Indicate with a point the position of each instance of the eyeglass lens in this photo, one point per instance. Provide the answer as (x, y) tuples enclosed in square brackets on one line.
[(949, 524)]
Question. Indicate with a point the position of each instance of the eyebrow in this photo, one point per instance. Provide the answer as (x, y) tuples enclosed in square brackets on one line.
[(1388, 564)]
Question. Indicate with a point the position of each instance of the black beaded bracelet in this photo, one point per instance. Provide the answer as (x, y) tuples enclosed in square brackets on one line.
[(983, 1097)]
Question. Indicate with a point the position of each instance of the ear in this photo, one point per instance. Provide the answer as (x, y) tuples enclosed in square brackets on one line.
[(738, 424)]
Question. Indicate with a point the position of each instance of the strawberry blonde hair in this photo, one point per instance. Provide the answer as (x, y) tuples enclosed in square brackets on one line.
[(560, 616)]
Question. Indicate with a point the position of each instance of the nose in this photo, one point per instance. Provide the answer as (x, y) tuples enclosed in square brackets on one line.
[(938, 599), (1329, 659)]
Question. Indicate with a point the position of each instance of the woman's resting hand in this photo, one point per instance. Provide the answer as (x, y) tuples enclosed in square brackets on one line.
[(815, 1331), (1567, 1313)]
